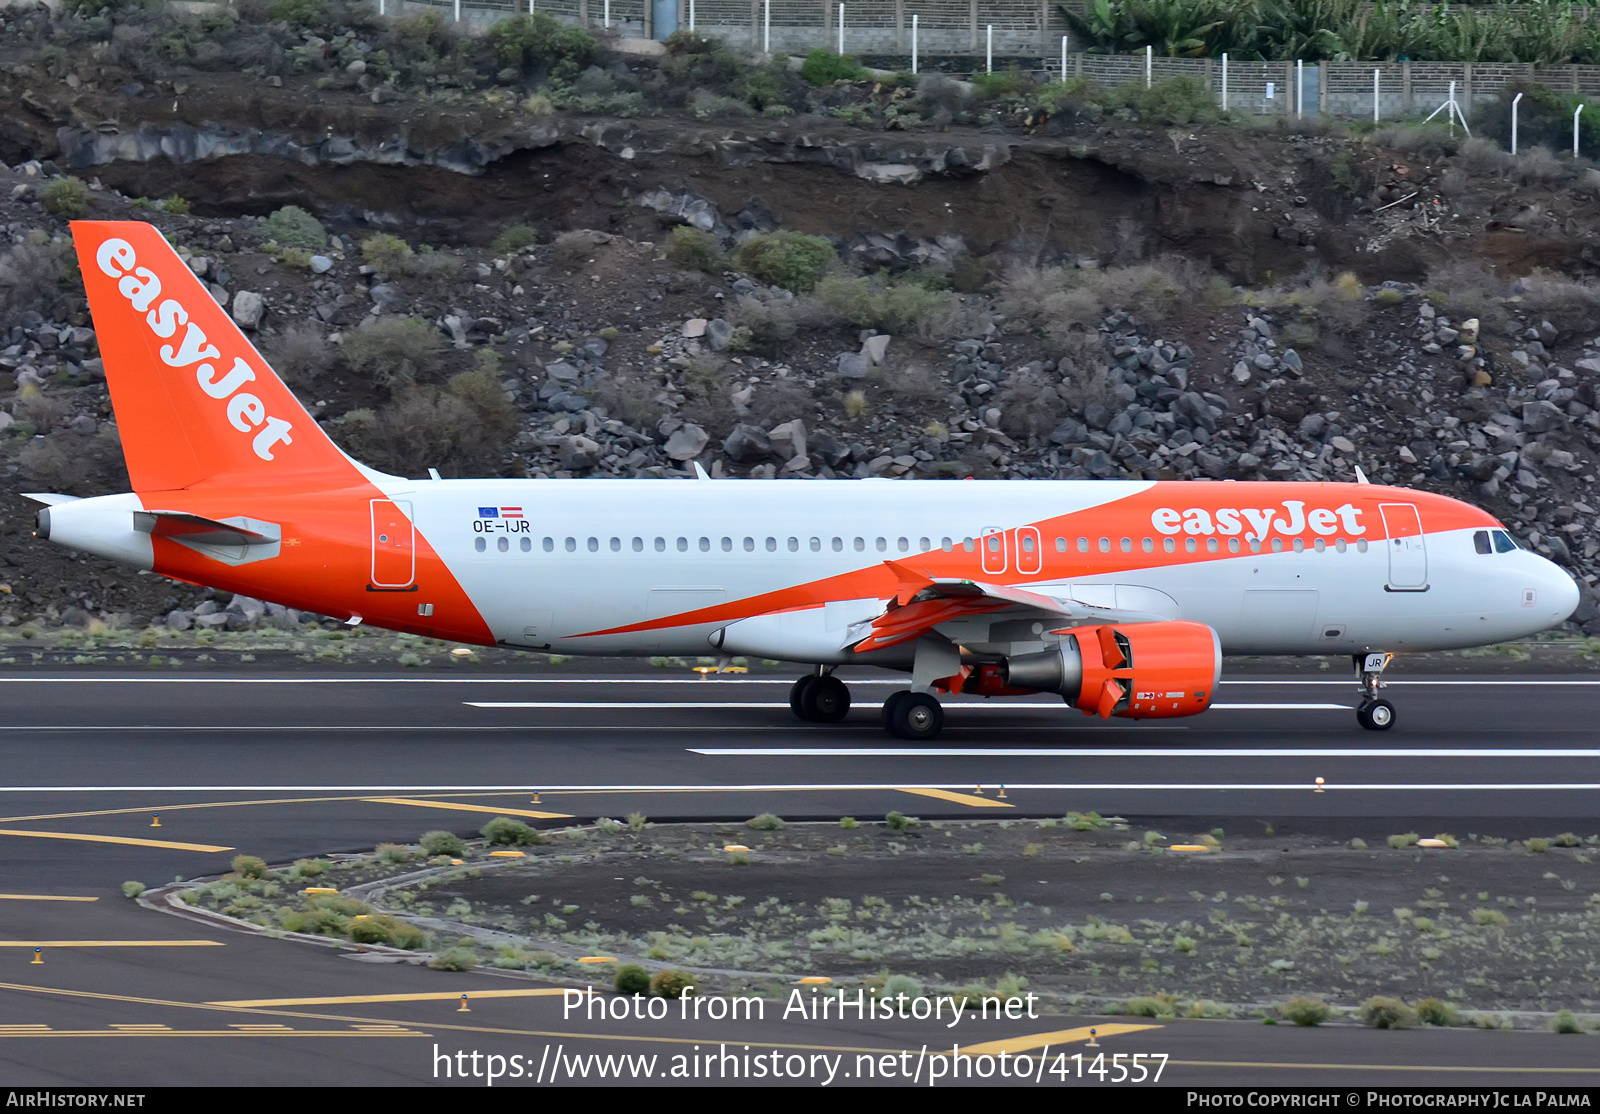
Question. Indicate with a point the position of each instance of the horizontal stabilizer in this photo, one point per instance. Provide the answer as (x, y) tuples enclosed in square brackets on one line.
[(49, 499)]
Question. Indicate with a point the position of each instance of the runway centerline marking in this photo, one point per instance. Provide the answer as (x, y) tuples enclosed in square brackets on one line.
[(129, 841), (784, 787), (15, 680), (469, 808)]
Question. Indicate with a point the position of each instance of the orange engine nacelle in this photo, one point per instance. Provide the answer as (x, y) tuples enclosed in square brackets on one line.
[(1137, 671)]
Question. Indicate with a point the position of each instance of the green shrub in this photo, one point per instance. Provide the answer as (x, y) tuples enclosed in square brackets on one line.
[(1538, 846), (442, 843), (672, 983), (514, 239), (66, 197), (384, 929), (1159, 1005), (539, 43), (637, 821), (1386, 1013), (293, 227), (393, 853), (1567, 839), (1086, 821), (393, 351), (454, 959), (1175, 100), (1433, 1011), (1489, 918), (793, 260), (896, 985), (1565, 1021), (632, 979), (308, 868), (849, 822), (1401, 842), (766, 822), (388, 255), (1307, 1012), (693, 249), (899, 821), (132, 889), (296, 13), (248, 866), (823, 67), (503, 831)]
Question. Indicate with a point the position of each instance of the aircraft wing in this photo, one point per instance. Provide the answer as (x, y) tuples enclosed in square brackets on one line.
[(924, 602)]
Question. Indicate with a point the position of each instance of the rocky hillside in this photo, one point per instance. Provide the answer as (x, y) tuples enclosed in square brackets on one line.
[(520, 290)]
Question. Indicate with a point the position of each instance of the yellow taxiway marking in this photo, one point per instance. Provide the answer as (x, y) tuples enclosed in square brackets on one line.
[(958, 798), (1040, 1040), (148, 809), (1461, 1069), (111, 944), (141, 1031), (453, 807), (362, 999), (130, 841), (43, 897)]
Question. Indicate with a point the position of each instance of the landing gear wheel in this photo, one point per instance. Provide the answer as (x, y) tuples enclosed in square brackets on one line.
[(889, 705), (1375, 715), (917, 716), (797, 695), (824, 700)]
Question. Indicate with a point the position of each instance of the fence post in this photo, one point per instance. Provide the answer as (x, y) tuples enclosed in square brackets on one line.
[(972, 24), (691, 16), (899, 25), (1575, 114), (1405, 89), (605, 15), (913, 42), (766, 28), (841, 29), (1375, 94), (988, 49), (458, 11), (1149, 56), (1514, 101), (1224, 81), (1466, 88), (1299, 89), (1063, 59)]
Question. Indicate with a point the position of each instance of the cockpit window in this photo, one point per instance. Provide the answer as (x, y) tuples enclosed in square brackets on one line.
[(1480, 541), (1503, 542)]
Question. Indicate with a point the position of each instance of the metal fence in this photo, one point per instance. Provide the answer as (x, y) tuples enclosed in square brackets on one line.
[(995, 33)]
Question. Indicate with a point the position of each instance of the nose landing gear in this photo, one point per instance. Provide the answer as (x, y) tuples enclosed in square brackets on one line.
[(1373, 713)]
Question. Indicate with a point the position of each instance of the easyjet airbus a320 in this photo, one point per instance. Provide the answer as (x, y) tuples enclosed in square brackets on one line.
[(1120, 596)]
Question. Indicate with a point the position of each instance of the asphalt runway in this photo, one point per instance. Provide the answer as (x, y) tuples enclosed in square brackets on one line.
[(156, 777)]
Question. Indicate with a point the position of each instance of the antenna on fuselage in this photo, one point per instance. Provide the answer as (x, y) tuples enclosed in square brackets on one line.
[(1361, 477), (699, 472)]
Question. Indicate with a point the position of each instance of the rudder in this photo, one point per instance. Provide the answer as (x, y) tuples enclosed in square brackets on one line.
[(194, 401)]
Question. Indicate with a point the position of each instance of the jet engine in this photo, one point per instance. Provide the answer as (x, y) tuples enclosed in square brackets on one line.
[(1135, 671)]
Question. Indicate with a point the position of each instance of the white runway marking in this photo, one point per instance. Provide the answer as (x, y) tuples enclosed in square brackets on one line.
[(712, 680), (769, 787), (1011, 706), (1129, 752)]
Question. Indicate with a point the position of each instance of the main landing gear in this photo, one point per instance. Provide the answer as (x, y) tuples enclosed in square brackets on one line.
[(1373, 713), (823, 698), (819, 698)]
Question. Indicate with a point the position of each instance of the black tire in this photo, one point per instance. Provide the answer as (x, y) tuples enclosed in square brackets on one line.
[(918, 717), (797, 695), (825, 700), (890, 703), (1376, 715)]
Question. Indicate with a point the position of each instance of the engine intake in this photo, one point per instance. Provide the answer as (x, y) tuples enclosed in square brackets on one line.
[(1138, 671)]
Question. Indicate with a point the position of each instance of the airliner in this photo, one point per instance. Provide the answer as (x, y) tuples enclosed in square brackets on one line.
[(1119, 596)]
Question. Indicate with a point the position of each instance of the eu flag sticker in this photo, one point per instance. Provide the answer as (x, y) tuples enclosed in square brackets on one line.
[(488, 512)]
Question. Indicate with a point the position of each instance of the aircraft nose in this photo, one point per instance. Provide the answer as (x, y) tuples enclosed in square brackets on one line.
[(1560, 593)]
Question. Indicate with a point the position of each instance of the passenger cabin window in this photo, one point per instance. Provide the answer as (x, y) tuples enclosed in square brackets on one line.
[(838, 545), (527, 545), (1105, 545), (661, 545), (705, 545), (479, 544), (947, 545), (1061, 545), (549, 545), (860, 544), (616, 545), (749, 545), (794, 545), (727, 545), (816, 545), (1083, 545), (638, 545), (772, 545), (503, 544), (572, 545), (683, 545), (969, 544), (594, 545)]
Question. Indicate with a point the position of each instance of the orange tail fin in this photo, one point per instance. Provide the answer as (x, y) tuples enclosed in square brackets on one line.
[(195, 402)]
